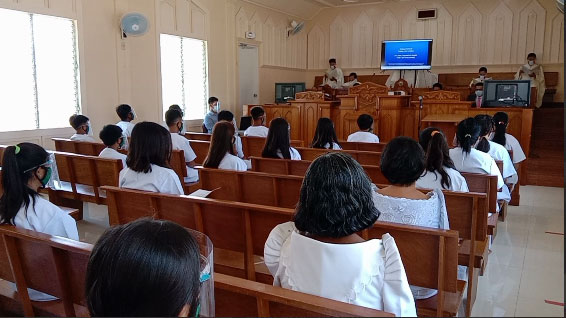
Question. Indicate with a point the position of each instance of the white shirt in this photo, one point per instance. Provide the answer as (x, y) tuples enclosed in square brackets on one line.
[(295, 155), (181, 143), (256, 131), (159, 179), (511, 143), (45, 217), (363, 136), (113, 154), (479, 80), (476, 162), (231, 162), (335, 146), (239, 147), (433, 180), (427, 213), (538, 82), (498, 152), (369, 274), (127, 128), (78, 137), (337, 74), (351, 83)]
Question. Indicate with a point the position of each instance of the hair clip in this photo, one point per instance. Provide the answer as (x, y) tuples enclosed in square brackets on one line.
[(501, 123), (434, 133), (468, 136), (18, 149)]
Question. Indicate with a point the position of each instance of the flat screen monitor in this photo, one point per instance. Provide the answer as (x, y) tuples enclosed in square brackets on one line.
[(406, 55), (507, 93), (286, 91)]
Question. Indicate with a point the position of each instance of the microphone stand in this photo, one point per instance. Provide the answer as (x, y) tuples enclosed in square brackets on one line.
[(420, 113)]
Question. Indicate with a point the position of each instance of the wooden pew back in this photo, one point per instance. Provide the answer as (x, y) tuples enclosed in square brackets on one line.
[(79, 147), (198, 136), (363, 146), (55, 266), (253, 146), (200, 147), (363, 157)]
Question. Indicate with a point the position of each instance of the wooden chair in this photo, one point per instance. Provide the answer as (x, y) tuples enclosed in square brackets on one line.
[(363, 157), (237, 297), (362, 146), (53, 265), (198, 136), (430, 259)]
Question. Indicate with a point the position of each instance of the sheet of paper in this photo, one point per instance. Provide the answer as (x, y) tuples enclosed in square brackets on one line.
[(201, 193)]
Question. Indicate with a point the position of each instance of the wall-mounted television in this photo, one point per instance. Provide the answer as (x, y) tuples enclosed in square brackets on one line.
[(406, 54)]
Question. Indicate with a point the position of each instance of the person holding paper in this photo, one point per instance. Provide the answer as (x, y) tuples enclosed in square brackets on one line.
[(482, 77), (415, 78), (334, 77), (533, 72)]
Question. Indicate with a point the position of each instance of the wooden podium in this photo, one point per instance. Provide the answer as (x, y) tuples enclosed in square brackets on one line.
[(448, 123)]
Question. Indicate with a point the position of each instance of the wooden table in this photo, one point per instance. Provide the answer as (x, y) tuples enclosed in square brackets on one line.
[(446, 122)]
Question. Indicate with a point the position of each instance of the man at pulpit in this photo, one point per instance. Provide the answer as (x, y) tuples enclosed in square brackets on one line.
[(415, 78), (334, 77), (533, 72), (352, 81)]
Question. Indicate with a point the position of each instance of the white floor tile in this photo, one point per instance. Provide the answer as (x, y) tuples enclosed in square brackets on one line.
[(536, 307)]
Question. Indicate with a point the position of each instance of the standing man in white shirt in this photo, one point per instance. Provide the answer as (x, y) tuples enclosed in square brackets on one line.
[(481, 78), (533, 72), (113, 139), (127, 115), (174, 120), (258, 128), (334, 77), (211, 117), (365, 123)]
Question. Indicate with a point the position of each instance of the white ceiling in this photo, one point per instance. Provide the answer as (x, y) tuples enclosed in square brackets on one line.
[(306, 9)]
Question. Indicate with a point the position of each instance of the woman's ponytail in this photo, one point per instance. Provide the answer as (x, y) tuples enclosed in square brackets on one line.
[(438, 159), (500, 121), (467, 134)]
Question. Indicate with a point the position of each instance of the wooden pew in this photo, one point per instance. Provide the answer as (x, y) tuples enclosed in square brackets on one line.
[(57, 266), (432, 263), (53, 265), (223, 221), (363, 157), (200, 147), (363, 146), (253, 146), (237, 297), (198, 136)]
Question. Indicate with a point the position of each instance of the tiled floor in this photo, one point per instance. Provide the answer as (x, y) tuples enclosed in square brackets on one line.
[(525, 268)]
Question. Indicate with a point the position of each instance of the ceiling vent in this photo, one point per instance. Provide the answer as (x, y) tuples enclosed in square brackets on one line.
[(426, 14)]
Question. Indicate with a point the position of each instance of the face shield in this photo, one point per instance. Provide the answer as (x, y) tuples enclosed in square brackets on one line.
[(54, 182), (206, 298)]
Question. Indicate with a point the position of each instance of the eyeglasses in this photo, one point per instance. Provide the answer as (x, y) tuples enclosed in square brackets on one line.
[(46, 165)]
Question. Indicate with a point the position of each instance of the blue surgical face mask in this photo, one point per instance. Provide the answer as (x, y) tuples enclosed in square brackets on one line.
[(479, 93), (122, 142)]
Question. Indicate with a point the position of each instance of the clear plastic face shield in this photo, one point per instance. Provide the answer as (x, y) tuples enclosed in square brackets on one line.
[(206, 298), (51, 173)]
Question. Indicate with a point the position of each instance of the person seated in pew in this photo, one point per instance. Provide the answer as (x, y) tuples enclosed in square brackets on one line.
[(211, 117), (500, 136), (497, 152), (83, 130), (477, 96), (144, 268), (440, 172), (222, 151), (257, 129), (113, 138), (403, 163), (467, 158), (334, 77), (26, 168), (325, 135), (320, 253), (533, 72), (437, 87), (174, 120), (227, 116), (178, 108), (365, 123), (127, 114), (352, 81), (481, 77), (278, 143), (148, 161)]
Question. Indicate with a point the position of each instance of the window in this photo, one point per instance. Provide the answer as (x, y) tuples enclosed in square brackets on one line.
[(39, 71), (184, 75)]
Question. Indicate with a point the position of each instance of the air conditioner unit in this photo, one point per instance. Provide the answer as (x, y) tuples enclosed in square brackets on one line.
[(426, 14)]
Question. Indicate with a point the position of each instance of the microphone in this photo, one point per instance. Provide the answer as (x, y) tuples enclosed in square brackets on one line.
[(421, 102)]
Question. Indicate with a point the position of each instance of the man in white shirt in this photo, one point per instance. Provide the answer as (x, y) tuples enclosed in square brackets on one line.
[(83, 130), (174, 121), (227, 115), (352, 80), (533, 72), (257, 129), (127, 115), (481, 78), (365, 123), (113, 139), (334, 77)]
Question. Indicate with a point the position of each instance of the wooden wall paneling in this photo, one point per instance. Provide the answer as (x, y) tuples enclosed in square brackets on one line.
[(167, 9), (498, 34), (182, 24), (556, 50), (317, 49), (199, 21), (386, 28), (469, 36), (268, 42), (531, 28), (242, 23), (340, 42), (280, 43), (311, 114), (410, 122), (362, 42), (256, 26)]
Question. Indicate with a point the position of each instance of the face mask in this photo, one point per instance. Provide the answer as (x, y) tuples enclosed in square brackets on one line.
[(122, 142), (47, 177), (333, 67), (181, 129), (133, 112), (531, 63), (482, 77), (479, 93)]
